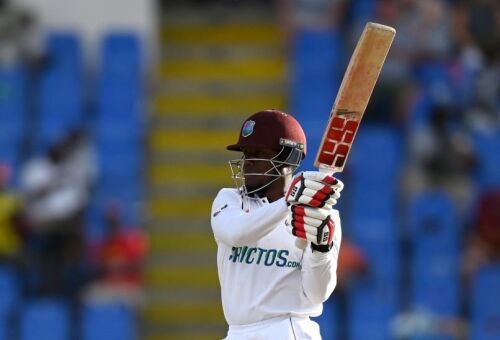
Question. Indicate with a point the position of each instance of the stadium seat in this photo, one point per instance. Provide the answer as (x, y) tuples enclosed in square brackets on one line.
[(485, 304), (46, 319), (9, 296), (12, 102), (486, 149), (9, 289), (363, 11), (367, 202), (65, 53), (121, 58), (435, 283), (317, 58), (432, 222), (111, 321), (376, 154), (371, 308)]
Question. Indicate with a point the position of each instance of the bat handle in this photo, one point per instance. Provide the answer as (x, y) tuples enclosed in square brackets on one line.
[(300, 242)]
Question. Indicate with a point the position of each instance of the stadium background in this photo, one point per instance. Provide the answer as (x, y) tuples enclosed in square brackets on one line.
[(154, 91)]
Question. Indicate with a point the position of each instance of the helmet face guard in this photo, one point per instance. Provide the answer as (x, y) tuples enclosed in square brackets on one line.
[(287, 156), (272, 130)]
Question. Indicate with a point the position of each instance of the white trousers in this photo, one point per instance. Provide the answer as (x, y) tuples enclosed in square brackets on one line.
[(289, 328)]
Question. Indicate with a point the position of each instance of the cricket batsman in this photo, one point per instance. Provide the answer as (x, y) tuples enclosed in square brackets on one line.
[(270, 287)]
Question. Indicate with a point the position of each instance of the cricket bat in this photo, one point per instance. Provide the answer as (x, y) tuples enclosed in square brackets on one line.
[(352, 98)]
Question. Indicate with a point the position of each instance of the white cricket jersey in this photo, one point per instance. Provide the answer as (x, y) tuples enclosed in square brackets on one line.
[(262, 273)]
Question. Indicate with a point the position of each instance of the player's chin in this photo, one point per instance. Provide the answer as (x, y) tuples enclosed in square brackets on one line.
[(254, 183)]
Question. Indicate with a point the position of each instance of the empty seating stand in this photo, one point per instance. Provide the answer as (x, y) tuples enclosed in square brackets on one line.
[(119, 125), (45, 319), (9, 296), (485, 304), (61, 89), (434, 275), (109, 321), (13, 100)]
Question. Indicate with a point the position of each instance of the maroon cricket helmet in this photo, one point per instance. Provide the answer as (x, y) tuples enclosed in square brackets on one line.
[(271, 129)]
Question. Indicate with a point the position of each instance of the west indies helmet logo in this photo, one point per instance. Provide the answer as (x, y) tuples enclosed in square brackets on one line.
[(247, 129)]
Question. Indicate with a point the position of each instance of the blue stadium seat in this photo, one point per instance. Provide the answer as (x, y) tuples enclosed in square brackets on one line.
[(120, 101), (9, 289), (420, 111), (435, 282), (111, 130), (365, 201), (432, 222), (317, 70), (486, 147), (9, 296), (371, 308), (121, 57), (65, 53), (110, 321), (45, 319), (363, 11), (9, 155), (376, 155), (485, 304), (12, 102)]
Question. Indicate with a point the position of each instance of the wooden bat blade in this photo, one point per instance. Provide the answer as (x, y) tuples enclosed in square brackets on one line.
[(353, 96)]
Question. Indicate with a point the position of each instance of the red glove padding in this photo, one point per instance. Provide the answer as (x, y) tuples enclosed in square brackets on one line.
[(312, 224), (315, 189)]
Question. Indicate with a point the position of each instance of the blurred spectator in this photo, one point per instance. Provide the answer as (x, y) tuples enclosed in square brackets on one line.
[(352, 264), (20, 36), (56, 191), (483, 243), (10, 241), (477, 36), (441, 156), (118, 259), (311, 14), (425, 324)]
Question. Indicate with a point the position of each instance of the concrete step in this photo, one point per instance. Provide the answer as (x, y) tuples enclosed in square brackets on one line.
[(189, 241), (172, 207), (216, 105), (215, 157), (183, 13), (214, 87), (184, 332), (177, 276), (182, 224), (189, 51), (185, 313), (262, 70), (182, 175), (218, 33), (192, 139)]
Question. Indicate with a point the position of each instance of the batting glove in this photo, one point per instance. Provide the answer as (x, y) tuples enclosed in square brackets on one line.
[(312, 224), (315, 189)]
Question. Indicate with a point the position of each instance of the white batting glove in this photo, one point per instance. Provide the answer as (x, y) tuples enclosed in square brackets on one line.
[(315, 189), (312, 224)]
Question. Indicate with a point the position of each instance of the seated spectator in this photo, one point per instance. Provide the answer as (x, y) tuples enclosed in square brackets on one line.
[(352, 264), (442, 157), (56, 190), (483, 242), (10, 241), (118, 259)]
